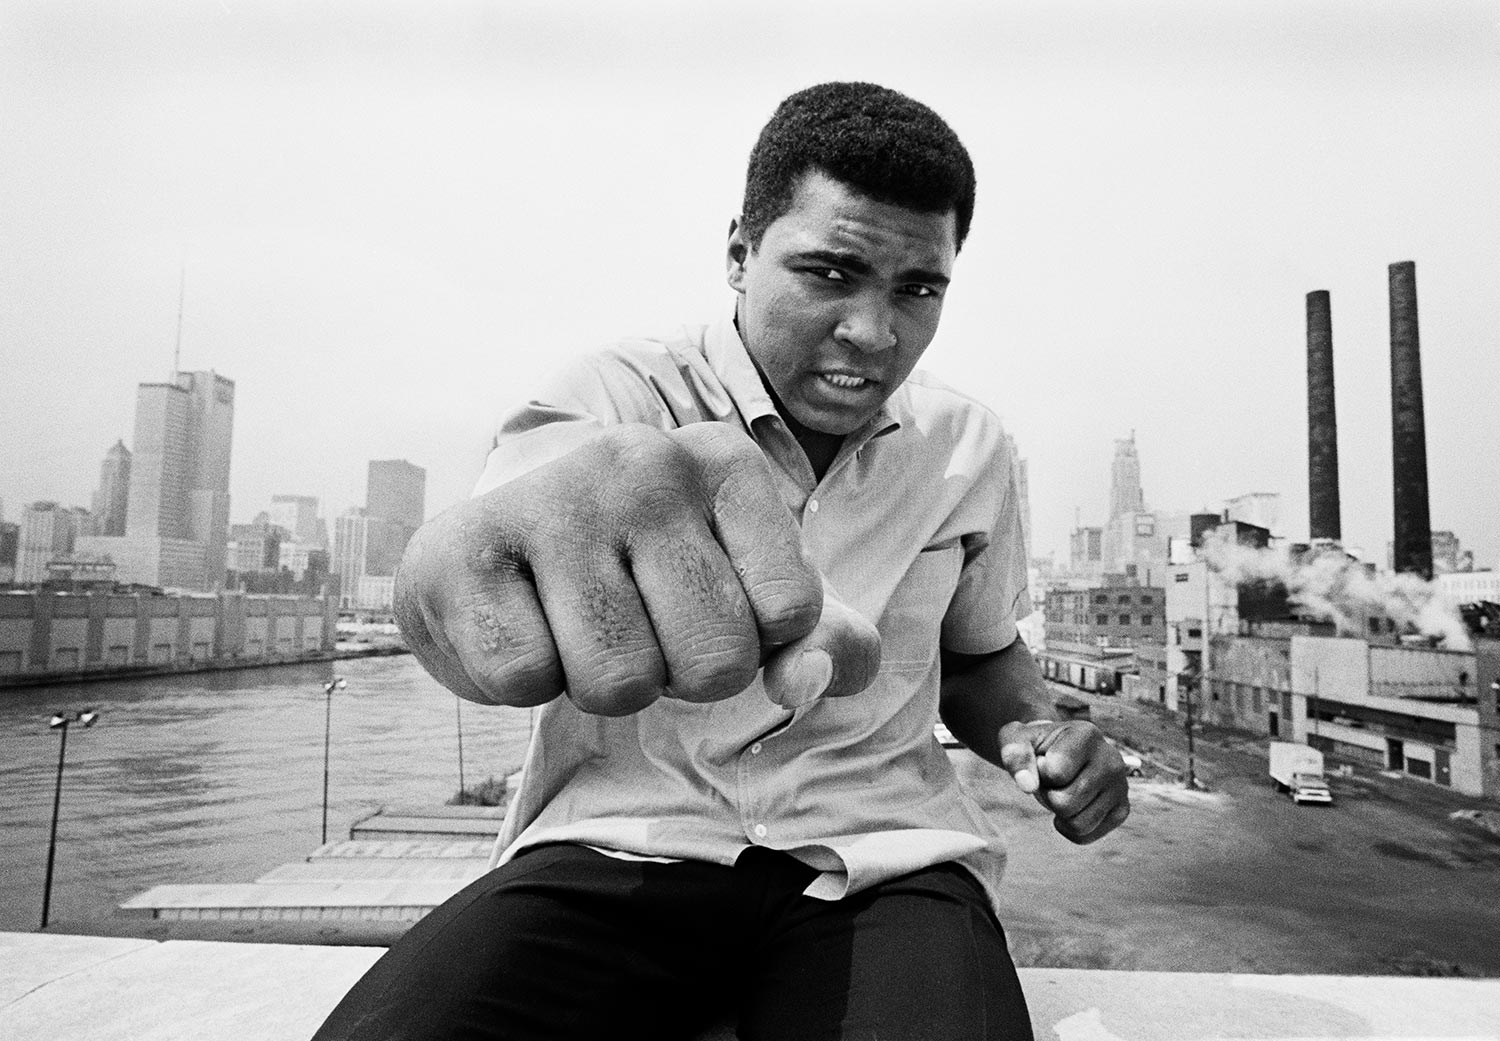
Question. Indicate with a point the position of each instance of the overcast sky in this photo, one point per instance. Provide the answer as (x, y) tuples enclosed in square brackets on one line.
[(394, 219)]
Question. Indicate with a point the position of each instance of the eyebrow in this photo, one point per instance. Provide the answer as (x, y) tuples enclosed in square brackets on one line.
[(854, 262)]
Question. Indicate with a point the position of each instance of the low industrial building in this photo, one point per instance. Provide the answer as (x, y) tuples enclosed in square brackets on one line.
[(45, 632)]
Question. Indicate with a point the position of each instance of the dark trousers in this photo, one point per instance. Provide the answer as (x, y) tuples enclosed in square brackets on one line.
[(565, 942)]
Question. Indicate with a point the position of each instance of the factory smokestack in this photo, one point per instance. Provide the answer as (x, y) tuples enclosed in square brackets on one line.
[(1413, 524), (1322, 423)]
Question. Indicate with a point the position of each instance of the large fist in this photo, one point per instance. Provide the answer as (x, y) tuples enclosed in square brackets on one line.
[(643, 564)]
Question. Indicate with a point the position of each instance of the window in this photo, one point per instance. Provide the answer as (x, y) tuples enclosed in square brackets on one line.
[(1102, 619), (1101, 599), (1145, 619), (1125, 598), (1124, 619)]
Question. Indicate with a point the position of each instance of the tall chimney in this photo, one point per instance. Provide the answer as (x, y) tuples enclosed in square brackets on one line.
[(1413, 524), (1322, 423)]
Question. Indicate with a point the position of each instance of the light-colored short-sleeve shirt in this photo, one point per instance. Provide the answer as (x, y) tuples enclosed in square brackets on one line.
[(915, 525)]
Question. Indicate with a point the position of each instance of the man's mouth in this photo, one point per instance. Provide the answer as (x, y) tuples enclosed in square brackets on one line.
[(844, 380)]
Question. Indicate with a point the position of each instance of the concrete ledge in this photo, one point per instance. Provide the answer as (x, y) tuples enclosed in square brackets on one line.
[(387, 827), (405, 899), (369, 869), (469, 849), (106, 989)]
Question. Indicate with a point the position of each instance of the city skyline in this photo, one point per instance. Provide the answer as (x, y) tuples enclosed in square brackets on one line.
[(386, 251)]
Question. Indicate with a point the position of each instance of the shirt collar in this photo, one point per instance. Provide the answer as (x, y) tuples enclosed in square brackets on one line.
[(730, 361)]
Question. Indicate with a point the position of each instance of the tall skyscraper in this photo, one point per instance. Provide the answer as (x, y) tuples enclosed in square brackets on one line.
[(1125, 495), (177, 513), (113, 494), (396, 490)]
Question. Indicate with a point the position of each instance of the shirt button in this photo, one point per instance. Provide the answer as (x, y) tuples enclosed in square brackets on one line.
[(760, 831), (755, 748), (812, 505)]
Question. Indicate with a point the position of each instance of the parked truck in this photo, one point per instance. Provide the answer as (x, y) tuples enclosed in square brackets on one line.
[(1298, 770)]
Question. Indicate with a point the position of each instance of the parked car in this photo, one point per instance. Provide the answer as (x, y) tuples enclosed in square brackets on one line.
[(1133, 762)]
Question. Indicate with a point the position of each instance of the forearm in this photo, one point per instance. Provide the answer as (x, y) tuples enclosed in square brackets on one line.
[(981, 694)]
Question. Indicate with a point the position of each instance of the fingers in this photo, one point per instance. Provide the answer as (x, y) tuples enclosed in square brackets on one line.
[(642, 564), (1072, 771), (471, 617), (751, 523), (839, 657), (1083, 782), (1018, 752), (699, 615), (1104, 815)]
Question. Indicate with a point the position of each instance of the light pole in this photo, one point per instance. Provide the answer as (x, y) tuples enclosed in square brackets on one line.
[(458, 707), (337, 683), (59, 722), (1192, 782)]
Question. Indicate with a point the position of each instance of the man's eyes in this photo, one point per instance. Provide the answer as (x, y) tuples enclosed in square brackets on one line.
[(919, 290)]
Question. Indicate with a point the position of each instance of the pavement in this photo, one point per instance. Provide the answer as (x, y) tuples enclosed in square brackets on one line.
[(91, 988)]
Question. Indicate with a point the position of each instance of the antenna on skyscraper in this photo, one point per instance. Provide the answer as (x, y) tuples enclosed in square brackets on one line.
[(181, 294)]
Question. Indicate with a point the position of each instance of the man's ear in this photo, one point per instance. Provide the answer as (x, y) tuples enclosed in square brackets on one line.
[(736, 253)]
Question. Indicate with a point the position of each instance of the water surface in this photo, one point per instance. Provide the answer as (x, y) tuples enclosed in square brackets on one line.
[(218, 777)]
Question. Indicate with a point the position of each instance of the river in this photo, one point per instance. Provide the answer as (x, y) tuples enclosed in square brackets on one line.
[(218, 776)]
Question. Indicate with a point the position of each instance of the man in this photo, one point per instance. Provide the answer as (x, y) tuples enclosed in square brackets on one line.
[(743, 570)]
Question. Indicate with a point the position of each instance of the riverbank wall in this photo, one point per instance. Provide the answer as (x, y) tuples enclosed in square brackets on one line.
[(51, 636), (49, 679)]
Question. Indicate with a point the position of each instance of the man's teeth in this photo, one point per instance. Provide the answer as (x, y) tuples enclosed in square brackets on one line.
[(838, 379)]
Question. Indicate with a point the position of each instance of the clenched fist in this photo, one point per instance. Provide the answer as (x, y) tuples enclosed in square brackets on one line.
[(644, 564)]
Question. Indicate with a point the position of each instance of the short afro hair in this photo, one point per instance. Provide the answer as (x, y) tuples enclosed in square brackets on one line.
[(877, 141)]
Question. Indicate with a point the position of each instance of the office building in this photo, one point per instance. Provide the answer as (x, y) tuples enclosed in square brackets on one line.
[(113, 495), (255, 548), (177, 509), (10, 542), (396, 491), (48, 533), (1125, 495), (298, 514), (366, 547)]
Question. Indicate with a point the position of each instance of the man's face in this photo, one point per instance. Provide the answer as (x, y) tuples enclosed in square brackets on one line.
[(840, 300)]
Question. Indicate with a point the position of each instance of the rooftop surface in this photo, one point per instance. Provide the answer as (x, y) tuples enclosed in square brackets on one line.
[(91, 988)]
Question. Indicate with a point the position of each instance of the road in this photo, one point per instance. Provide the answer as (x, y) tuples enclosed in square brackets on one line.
[(1236, 878)]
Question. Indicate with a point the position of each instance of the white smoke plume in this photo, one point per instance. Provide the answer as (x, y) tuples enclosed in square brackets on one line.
[(1331, 586)]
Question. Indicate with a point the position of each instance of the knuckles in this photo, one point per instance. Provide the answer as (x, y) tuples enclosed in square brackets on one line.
[(633, 497)]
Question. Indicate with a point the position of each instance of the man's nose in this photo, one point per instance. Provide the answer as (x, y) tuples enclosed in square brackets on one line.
[(869, 326)]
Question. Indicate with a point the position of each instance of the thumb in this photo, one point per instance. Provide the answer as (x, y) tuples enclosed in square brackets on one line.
[(1019, 744), (839, 657)]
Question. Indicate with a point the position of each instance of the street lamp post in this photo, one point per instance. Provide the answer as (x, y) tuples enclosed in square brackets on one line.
[(337, 683), (1192, 781), (59, 722), (458, 708)]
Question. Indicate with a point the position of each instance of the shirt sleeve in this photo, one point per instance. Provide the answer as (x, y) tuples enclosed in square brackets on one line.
[(991, 595), (592, 393)]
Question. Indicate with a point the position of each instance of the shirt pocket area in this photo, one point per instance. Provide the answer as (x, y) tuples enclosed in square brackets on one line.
[(912, 621)]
